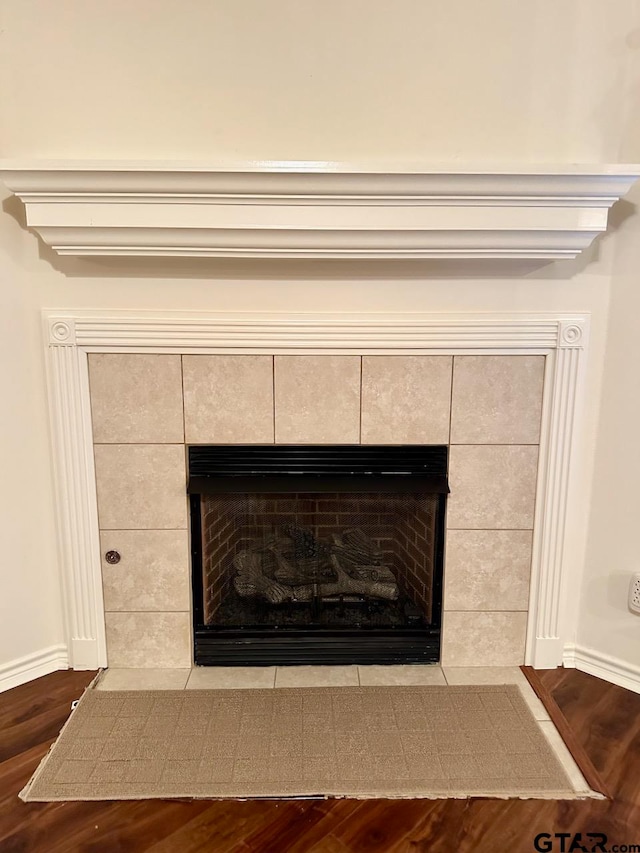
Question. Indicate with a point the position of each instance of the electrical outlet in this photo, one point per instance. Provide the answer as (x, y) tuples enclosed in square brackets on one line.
[(634, 593)]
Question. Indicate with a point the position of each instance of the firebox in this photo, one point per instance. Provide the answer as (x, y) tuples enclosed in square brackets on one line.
[(317, 554)]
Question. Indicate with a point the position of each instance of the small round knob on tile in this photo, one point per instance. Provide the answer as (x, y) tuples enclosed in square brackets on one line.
[(112, 557)]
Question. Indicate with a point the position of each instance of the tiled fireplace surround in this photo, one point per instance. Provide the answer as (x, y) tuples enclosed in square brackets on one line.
[(129, 392), (146, 407)]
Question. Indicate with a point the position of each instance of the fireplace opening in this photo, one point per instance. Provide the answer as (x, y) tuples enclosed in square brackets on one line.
[(317, 554)]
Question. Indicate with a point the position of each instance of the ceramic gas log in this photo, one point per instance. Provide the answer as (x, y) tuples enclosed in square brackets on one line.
[(298, 567)]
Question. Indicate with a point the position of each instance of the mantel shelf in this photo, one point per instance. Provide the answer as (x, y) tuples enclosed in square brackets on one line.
[(312, 210)]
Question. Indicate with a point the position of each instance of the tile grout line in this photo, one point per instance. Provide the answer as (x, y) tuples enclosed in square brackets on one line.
[(231, 443), (491, 529), (360, 401), (273, 394), (184, 414), (453, 369)]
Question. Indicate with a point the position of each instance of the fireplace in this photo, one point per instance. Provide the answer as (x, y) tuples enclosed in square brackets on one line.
[(502, 395), (317, 554), (504, 390)]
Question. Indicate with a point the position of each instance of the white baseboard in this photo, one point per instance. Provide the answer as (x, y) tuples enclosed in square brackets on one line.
[(20, 670), (603, 666)]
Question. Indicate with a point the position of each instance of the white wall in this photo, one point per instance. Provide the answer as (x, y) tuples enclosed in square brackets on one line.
[(608, 641), (313, 79), (30, 620), (292, 79)]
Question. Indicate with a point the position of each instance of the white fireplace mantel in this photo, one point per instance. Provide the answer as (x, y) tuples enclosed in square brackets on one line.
[(299, 209)]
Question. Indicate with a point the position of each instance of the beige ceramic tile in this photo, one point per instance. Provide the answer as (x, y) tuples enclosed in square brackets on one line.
[(535, 705), (492, 487), (402, 675), (497, 399), (153, 572), (483, 639), (148, 640), (141, 486), (228, 399), (497, 675), (317, 399), (136, 398), (317, 676), (487, 569), (578, 782), (231, 677), (144, 679), (406, 399), (483, 675)]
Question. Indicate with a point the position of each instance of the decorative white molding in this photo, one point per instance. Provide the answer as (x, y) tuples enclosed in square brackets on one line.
[(302, 210), (62, 331), (604, 666), (551, 564), (571, 333), (76, 504), (23, 669), (562, 338), (294, 333)]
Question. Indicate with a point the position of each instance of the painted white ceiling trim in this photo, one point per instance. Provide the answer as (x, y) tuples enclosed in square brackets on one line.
[(315, 210)]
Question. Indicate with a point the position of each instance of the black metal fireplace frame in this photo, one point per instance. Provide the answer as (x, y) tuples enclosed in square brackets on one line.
[(217, 469)]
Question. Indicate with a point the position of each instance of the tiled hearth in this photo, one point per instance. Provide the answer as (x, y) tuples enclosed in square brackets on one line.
[(147, 407)]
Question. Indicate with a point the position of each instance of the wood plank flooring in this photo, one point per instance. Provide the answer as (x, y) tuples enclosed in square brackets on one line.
[(605, 719)]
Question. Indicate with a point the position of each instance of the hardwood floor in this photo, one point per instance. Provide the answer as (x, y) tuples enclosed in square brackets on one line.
[(605, 720)]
